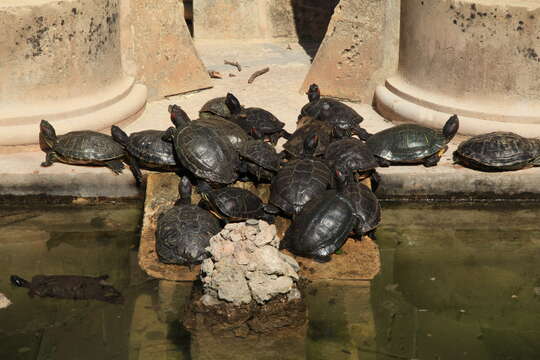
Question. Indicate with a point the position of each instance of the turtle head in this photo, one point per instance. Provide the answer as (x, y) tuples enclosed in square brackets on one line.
[(19, 281), (313, 93), (47, 133), (256, 133), (451, 128), (178, 116), (119, 135), (310, 144), (340, 133), (233, 104), (184, 190), (343, 177)]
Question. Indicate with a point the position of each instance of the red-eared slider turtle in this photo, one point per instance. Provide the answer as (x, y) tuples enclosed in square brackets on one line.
[(227, 129), (202, 150), (301, 180), (365, 204), (260, 159), (81, 148), (266, 124), (70, 287), (146, 150), (336, 113), (352, 155), (322, 227), (183, 232), (498, 151), (215, 107), (412, 144), (294, 147), (233, 204)]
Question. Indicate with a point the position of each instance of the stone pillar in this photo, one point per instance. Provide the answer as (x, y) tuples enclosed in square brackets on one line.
[(478, 59), (359, 51), (61, 61)]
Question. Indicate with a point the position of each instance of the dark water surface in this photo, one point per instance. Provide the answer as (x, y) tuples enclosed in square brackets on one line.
[(457, 282)]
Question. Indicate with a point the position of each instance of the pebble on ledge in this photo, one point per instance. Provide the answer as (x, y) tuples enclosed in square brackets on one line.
[(4, 301)]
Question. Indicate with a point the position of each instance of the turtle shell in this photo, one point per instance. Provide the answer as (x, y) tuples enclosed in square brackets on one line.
[(350, 153), (497, 150), (183, 233), (366, 207), (204, 152), (341, 115), (261, 153), (297, 183), (227, 129), (87, 146), (215, 107), (295, 145), (264, 121), (322, 227), (235, 203), (407, 143), (148, 147)]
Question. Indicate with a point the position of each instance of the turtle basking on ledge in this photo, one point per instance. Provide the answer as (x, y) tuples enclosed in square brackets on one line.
[(80, 148)]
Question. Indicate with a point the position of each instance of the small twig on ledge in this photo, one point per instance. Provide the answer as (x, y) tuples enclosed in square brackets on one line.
[(214, 74), (258, 73), (234, 63)]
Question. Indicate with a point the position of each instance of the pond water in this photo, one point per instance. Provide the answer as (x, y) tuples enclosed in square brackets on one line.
[(457, 282)]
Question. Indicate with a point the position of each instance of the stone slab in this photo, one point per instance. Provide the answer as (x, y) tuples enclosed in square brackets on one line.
[(359, 260), (160, 48), (359, 50)]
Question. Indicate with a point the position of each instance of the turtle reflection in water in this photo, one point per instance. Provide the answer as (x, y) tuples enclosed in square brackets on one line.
[(70, 287)]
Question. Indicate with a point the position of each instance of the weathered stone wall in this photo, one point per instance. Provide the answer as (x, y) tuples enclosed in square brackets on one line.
[(359, 51)]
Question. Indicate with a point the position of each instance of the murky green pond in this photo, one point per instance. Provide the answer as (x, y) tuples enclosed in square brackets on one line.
[(458, 282)]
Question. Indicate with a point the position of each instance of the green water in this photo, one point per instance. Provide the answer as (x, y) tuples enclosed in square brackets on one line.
[(457, 282)]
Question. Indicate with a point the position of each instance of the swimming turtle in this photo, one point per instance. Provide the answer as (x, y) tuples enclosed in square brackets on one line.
[(367, 209), (294, 147), (183, 232), (266, 124), (70, 287), (227, 129), (412, 144), (351, 154), (233, 204), (80, 147), (215, 107), (322, 226), (260, 159), (202, 150), (336, 113), (300, 180), (498, 151), (147, 150)]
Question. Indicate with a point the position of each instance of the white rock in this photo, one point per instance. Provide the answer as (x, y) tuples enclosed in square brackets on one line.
[(207, 267), (294, 294), (264, 289), (4, 301), (232, 286), (209, 300)]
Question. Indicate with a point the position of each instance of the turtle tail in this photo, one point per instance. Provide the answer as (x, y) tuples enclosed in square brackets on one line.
[(19, 281)]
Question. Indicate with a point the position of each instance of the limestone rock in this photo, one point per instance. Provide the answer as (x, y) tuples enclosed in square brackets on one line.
[(4, 301)]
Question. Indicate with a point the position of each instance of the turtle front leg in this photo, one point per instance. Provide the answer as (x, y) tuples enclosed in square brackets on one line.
[(115, 165), (382, 162), (375, 179), (432, 160), (361, 133), (50, 158), (285, 134)]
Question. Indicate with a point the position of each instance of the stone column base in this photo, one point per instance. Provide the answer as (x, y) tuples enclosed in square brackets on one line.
[(402, 102)]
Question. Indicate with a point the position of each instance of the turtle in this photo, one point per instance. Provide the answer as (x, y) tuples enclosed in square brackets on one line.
[(80, 148), (322, 226), (70, 287), (215, 107), (367, 209), (300, 180), (351, 154), (227, 129), (294, 147), (146, 149), (202, 150), (233, 204), (267, 125), (336, 113), (183, 232), (498, 151), (260, 159), (412, 144)]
